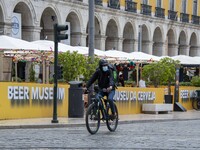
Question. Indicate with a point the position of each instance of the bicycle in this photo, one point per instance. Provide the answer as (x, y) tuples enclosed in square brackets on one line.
[(100, 110)]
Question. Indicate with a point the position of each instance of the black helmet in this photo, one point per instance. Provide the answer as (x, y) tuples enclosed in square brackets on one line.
[(102, 62)]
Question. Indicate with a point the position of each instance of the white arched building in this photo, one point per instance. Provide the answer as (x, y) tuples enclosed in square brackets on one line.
[(114, 28)]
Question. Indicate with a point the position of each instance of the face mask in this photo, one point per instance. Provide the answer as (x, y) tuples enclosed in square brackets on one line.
[(105, 68)]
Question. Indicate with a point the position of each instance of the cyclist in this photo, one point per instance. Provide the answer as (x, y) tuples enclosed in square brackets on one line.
[(106, 83)]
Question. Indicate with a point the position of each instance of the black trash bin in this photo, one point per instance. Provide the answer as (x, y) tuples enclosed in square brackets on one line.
[(198, 93), (168, 99), (76, 103)]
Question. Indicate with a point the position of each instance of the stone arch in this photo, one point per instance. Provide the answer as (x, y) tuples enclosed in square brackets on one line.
[(26, 20), (172, 46), (145, 39), (158, 42), (112, 39), (183, 47), (128, 36), (75, 28), (194, 51), (47, 21), (97, 34)]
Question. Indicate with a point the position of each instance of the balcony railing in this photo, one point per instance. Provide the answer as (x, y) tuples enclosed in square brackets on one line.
[(146, 9), (184, 17), (131, 6), (98, 2), (195, 19), (115, 4), (160, 12), (172, 15)]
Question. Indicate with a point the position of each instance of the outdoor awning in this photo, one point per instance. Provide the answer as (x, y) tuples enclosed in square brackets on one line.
[(10, 43)]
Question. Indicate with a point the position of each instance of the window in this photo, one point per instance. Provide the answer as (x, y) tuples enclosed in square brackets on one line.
[(159, 3), (171, 5), (145, 2), (184, 4), (195, 7)]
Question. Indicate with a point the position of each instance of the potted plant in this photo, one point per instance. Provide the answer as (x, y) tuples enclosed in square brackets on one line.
[(162, 72)]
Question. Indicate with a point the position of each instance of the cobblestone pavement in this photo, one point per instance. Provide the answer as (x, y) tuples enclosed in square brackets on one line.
[(141, 135)]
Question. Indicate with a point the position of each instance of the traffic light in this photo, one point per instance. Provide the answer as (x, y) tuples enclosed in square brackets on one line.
[(60, 72), (57, 32)]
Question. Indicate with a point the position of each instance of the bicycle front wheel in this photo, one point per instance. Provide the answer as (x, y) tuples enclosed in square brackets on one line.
[(112, 122), (92, 119)]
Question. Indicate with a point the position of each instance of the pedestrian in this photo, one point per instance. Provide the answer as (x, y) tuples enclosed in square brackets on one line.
[(142, 83), (121, 79)]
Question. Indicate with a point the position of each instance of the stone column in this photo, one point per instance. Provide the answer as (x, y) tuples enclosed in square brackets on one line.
[(165, 49), (1, 65), (5, 28), (31, 33), (158, 49), (172, 49), (120, 44), (147, 47), (194, 51), (103, 42), (97, 41), (83, 39), (135, 45), (184, 50)]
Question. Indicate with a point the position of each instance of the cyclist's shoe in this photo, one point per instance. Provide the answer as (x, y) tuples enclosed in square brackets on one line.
[(112, 117)]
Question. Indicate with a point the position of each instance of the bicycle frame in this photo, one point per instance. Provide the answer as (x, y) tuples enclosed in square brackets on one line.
[(102, 104)]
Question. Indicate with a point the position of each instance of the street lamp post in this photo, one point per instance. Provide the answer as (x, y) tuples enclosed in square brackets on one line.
[(91, 29), (91, 40), (140, 38)]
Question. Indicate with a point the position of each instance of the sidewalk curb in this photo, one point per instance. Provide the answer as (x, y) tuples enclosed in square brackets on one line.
[(83, 124)]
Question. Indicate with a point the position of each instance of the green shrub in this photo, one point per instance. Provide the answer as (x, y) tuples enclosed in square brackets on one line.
[(185, 84), (196, 81), (18, 79)]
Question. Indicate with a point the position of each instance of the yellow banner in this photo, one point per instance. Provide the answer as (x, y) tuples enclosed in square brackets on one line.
[(129, 100), (31, 100)]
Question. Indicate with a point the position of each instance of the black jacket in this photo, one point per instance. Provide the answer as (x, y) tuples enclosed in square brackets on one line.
[(105, 79)]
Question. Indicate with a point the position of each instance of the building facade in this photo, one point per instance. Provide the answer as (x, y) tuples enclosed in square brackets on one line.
[(158, 27)]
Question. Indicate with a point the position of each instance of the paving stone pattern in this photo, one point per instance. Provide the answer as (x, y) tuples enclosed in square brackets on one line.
[(141, 135)]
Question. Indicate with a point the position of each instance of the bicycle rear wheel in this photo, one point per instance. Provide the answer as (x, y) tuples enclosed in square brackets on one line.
[(112, 122), (92, 119)]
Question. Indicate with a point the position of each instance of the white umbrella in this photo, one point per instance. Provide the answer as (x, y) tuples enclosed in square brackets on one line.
[(61, 47), (10, 43), (140, 56), (117, 54), (86, 50), (186, 60), (197, 59), (161, 57)]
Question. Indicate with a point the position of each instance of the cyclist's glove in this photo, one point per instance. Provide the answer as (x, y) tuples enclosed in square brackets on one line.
[(109, 89)]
